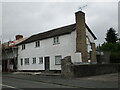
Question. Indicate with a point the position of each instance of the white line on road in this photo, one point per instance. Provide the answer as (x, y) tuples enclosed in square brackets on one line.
[(10, 86)]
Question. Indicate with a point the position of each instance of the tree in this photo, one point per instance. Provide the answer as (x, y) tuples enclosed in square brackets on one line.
[(111, 36), (111, 46)]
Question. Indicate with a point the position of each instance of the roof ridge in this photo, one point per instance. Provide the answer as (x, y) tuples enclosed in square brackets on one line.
[(54, 29)]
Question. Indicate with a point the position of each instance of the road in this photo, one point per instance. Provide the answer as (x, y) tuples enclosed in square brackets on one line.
[(15, 83), (21, 82)]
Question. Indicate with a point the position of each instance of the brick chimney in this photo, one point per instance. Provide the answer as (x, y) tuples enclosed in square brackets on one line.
[(81, 45), (18, 37)]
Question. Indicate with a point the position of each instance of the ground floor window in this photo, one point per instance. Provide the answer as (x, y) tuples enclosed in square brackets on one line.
[(34, 60), (58, 60), (40, 60), (27, 61)]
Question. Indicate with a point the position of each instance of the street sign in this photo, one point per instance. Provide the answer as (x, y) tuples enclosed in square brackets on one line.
[(11, 43)]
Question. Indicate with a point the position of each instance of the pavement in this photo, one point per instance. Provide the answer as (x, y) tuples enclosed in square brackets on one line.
[(100, 81), (38, 73)]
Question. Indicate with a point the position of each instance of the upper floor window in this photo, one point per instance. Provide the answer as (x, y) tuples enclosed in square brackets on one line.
[(34, 60), (37, 44), (40, 60), (58, 60), (56, 40), (23, 46), (27, 61)]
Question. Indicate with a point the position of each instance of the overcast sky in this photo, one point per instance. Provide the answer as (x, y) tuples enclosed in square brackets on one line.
[(28, 18)]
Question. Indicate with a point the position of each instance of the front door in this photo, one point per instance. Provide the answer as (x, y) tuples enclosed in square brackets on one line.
[(47, 63)]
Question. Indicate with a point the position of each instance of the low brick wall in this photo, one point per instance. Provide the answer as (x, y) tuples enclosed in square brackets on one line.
[(69, 70), (94, 69)]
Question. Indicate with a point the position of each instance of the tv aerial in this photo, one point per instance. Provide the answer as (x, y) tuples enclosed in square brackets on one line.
[(80, 8)]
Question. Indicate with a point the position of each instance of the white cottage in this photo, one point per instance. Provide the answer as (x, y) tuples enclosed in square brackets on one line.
[(44, 51)]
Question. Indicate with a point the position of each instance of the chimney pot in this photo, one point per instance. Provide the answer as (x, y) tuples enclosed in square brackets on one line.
[(18, 37)]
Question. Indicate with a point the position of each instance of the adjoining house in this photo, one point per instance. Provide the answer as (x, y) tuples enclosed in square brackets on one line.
[(44, 51), (0, 56), (10, 53)]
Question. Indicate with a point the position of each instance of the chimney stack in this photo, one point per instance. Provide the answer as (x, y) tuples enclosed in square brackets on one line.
[(18, 37), (81, 45)]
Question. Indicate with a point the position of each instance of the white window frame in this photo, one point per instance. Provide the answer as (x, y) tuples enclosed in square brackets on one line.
[(37, 44), (26, 60), (56, 40), (57, 60), (34, 60), (40, 60), (23, 46)]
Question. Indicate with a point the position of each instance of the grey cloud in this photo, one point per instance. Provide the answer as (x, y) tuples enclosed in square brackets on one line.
[(0, 20), (119, 18), (31, 18)]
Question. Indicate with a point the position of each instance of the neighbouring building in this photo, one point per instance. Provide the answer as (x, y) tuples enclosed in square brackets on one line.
[(0, 56), (44, 51), (10, 53)]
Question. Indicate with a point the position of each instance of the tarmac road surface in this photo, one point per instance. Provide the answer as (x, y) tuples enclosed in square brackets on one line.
[(21, 82), (15, 83)]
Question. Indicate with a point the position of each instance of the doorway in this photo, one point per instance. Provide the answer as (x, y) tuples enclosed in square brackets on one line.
[(47, 63)]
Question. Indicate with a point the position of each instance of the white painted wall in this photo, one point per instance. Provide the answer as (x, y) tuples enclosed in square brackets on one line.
[(89, 39), (67, 47), (90, 36)]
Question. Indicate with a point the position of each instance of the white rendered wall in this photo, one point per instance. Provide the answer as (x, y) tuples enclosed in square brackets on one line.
[(90, 36), (67, 47)]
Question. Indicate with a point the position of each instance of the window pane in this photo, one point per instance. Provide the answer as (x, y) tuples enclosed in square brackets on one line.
[(26, 60), (23, 46), (56, 40), (37, 43), (34, 60), (40, 60), (58, 60)]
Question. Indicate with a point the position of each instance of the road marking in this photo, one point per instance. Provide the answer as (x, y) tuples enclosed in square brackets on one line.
[(10, 86)]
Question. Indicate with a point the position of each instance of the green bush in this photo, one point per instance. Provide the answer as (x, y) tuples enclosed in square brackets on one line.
[(115, 57), (114, 48)]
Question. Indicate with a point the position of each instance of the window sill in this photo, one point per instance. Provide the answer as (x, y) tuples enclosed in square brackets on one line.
[(26, 64), (55, 43), (37, 47), (40, 63), (57, 64)]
